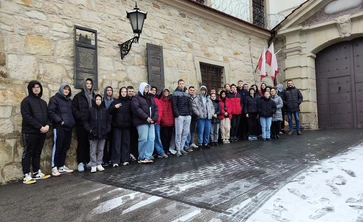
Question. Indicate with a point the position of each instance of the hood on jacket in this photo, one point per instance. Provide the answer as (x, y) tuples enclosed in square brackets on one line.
[(119, 94), (30, 88), (60, 91), (94, 101), (200, 90), (105, 93), (252, 90), (161, 95), (84, 84), (280, 87), (142, 87)]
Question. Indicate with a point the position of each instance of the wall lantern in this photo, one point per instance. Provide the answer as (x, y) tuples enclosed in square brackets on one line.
[(137, 19)]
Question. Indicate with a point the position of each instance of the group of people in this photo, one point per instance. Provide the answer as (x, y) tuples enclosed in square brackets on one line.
[(139, 127)]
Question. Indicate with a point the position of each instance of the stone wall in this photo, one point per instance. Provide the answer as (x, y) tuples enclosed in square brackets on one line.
[(36, 42)]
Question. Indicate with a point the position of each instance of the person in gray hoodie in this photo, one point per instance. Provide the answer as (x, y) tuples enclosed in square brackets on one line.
[(277, 116), (204, 110), (107, 151)]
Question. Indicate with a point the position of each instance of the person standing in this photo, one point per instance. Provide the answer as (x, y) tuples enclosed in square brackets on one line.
[(251, 113), (166, 121), (292, 99), (82, 101), (133, 133), (242, 89), (145, 114), (189, 142), (98, 125), (204, 110), (266, 109), (60, 112), (107, 151), (121, 112), (182, 112), (225, 116), (215, 120), (277, 117), (34, 128), (236, 103)]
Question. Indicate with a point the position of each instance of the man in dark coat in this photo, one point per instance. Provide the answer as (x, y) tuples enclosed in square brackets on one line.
[(60, 112), (292, 100), (82, 101), (34, 128)]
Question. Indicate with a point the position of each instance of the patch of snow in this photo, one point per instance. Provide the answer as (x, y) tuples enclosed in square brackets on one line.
[(188, 216), (141, 204)]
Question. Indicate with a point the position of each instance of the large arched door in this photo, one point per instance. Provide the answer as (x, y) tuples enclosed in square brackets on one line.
[(339, 81)]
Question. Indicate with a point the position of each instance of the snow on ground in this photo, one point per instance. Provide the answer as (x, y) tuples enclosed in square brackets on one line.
[(331, 190)]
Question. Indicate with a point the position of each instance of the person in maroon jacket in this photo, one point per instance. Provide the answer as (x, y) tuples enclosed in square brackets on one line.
[(225, 116), (236, 103), (167, 119)]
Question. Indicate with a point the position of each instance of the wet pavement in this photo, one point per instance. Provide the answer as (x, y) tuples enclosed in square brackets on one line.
[(215, 185)]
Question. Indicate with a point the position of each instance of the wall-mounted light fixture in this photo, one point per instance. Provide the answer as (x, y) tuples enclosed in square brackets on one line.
[(137, 18)]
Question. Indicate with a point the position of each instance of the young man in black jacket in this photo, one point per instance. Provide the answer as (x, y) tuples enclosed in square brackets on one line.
[(34, 128), (292, 100), (60, 112), (82, 101)]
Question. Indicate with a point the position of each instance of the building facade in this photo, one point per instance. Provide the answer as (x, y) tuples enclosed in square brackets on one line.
[(37, 42)]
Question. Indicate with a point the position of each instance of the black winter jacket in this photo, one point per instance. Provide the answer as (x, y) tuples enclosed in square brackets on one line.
[(80, 105), (181, 103), (34, 111), (292, 99), (122, 116), (266, 107), (60, 109), (217, 110), (98, 122), (250, 104), (143, 108)]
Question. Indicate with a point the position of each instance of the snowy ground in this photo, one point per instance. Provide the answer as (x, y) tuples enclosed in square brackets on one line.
[(331, 190)]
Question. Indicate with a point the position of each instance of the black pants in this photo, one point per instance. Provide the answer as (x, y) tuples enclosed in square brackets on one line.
[(107, 150), (62, 143), (283, 119), (83, 155), (33, 145), (121, 145), (134, 142), (253, 124), (243, 126), (165, 136), (275, 127), (236, 119)]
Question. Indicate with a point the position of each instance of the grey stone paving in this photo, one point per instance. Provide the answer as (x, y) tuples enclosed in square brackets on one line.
[(228, 183)]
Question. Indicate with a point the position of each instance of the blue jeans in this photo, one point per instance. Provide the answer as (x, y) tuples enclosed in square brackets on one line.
[(203, 131), (146, 140), (266, 126), (297, 120), (158, 146)]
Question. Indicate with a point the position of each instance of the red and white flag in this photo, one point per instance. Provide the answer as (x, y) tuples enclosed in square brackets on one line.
[(262, 64), (272, 61)]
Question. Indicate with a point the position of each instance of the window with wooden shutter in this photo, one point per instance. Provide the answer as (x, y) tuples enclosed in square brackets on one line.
[(212, 75)]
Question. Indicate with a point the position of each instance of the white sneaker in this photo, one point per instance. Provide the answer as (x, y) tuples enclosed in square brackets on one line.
[(55, 172), (193, 146), (100, 168), (28, 179), (65, 169), (172, 151), (125, 163), (93, 169), (39, 175), (115, 165), (80, 167)]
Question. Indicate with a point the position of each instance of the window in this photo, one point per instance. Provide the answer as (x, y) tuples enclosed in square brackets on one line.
[(200, 1), (259, 12), (212, 75)]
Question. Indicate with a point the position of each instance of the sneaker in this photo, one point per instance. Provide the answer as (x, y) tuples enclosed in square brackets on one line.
[(224, 141), (80, 167), (55, 172), (289, 133), (208, 146), (172, 151), (190, 149), (28, 179), (140, 161), (215, 144), (39, 175), (93, 169), (227, 141), (184, 152), (105, 164), (148, 161), (200, 147), (178, 154), (255, 138), (151, 158), (88, 166), (193, 146), (132, 157), (100, 168), (299, 133), (163, 155), (250, 138), (115, 165), (125, 163), (65, 169)]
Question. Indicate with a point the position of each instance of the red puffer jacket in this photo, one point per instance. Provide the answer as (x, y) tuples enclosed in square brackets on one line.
[(236, 103), (167, 117), (160, 110), (226, 105)]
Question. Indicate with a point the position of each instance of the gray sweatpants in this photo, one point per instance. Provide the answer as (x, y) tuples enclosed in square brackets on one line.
[(214, 131), (96, 152), (182, 128)]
